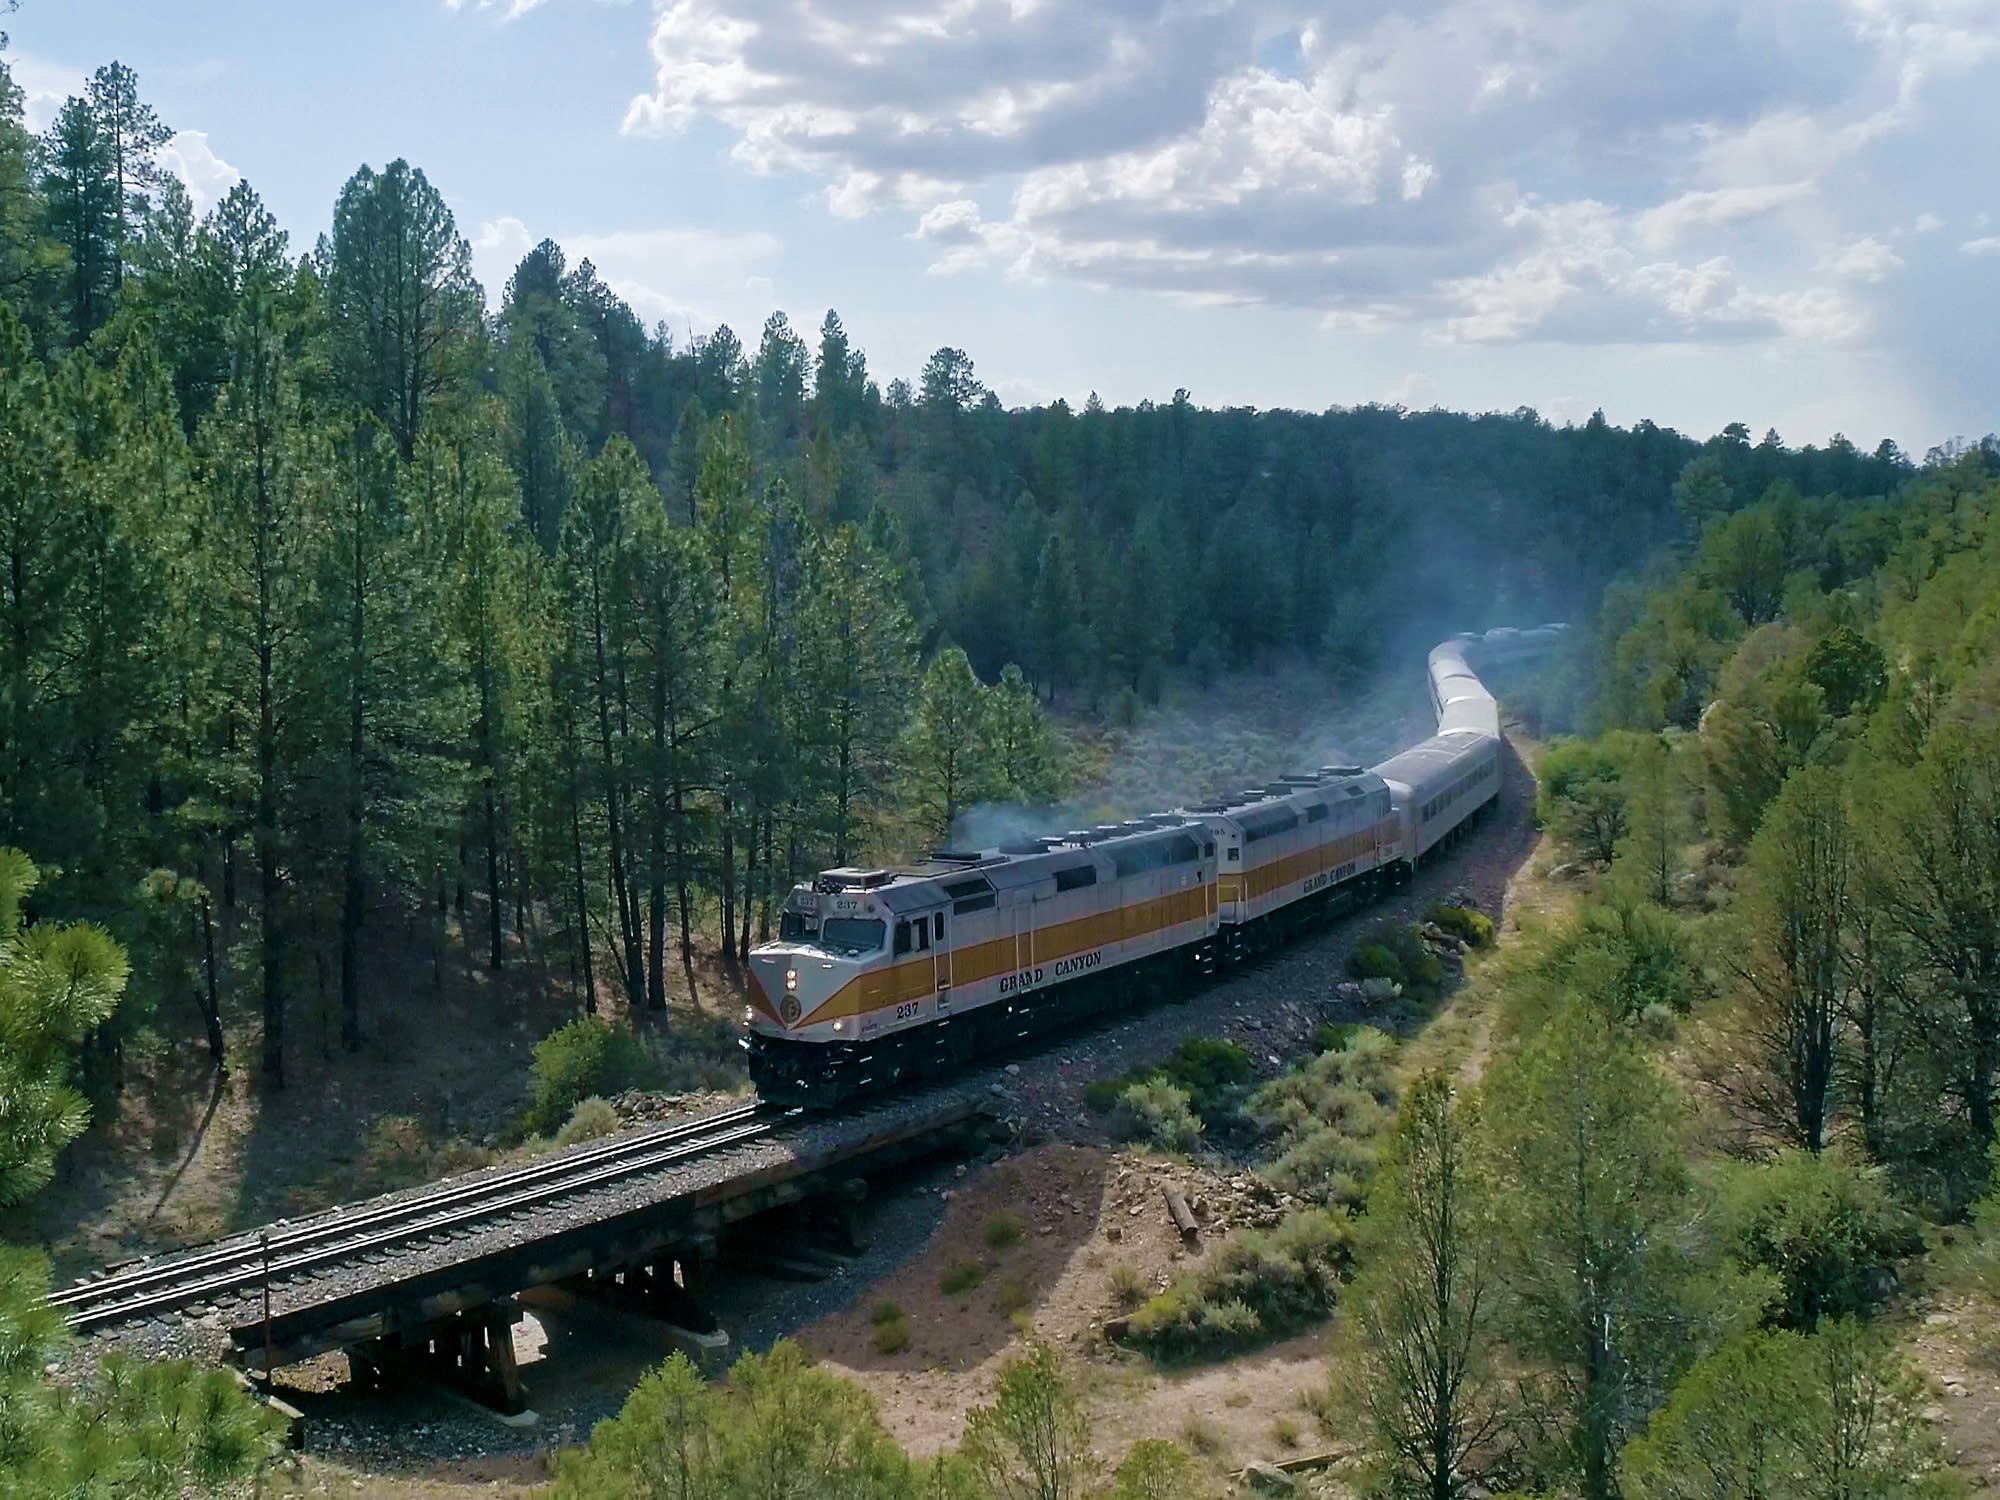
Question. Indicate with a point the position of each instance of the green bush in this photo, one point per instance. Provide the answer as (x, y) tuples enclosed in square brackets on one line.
[(1397, 952), (1004, 1230), (1376, 961), (890, 1335), (591, 1119), (588, 1056), (1256, 1287), (1824, 1227), (1333, 1037), (1159, 1114), (1212, 1076), (1324, 1120), (1468, 926), (961, 1276)]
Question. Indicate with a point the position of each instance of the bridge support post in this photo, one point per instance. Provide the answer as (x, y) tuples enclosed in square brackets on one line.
[(845, 1215), (471, 1351)]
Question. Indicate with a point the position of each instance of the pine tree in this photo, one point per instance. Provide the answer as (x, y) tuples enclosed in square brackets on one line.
[(949, 764), (1022, 748), (674, 653), (1595, 1209), (403, 306), (28, 258), (1425, 1306), (85, 212), (257, 543), (1056, 616), (38, 538), (133, 137)]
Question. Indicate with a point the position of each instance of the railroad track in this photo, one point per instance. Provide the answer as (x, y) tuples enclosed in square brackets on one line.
[(355, 1233)]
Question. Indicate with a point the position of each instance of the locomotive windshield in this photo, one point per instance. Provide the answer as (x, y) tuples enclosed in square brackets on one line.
[(852, 936), (793, 925)]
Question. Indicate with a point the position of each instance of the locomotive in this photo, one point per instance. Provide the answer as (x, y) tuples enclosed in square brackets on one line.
[(883, 976)]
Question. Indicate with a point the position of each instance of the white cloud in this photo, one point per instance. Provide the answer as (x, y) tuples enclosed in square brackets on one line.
[(1985, 245), (45, 86), (1866, 259), (1716, 208), (207, 176), (510, 10), (1690, 169)]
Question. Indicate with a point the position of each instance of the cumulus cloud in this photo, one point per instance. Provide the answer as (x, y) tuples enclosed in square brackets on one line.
[(44, 85), (1866, 259), (208, 177), (1988, 244), (1487, 169)]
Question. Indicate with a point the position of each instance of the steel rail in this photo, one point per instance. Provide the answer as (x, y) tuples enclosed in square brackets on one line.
[(177, 1282)]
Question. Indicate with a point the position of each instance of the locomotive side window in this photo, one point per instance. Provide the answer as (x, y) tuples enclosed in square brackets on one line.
[(937, 927), (1076, 877), (902, 939), (1235, 854), (1316, 813)]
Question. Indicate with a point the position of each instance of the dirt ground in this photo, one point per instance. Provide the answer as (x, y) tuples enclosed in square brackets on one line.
[(1083, 1214), (1954, 1339)]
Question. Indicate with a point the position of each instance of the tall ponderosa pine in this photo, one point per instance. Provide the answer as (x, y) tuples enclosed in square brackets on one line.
[(38, 540), (402, 304), (133, 137), (84, 213), (257, 542)]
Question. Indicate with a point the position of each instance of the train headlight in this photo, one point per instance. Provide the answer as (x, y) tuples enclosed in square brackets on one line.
[(840, 1026), (791, 979), (749, 1015)]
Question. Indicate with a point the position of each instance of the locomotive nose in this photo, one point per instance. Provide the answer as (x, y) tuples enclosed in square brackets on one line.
[(789, 985)]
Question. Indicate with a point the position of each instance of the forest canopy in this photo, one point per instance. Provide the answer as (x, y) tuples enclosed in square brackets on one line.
[(348, 590)]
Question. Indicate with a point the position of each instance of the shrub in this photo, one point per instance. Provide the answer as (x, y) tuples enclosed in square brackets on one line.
[(1396, 951), (1201, 1435), (961, 1276), (1334, 1037), (891, 1335), (1324, 1119), (1658, 1022), (1156, 1469), (1012, 1296), (1376, 961), (1004, 1230), (1127, 1289), (1214, 1075), (1035, 1437), (1823, 1226), (885, 1312), (1285, 1431), (1468, 926), (591, 1119), (1256, 1287), (588, 1056), (1380, 991), (1159, 1114)]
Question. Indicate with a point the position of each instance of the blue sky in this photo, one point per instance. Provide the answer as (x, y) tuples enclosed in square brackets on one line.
[(1783, 212)]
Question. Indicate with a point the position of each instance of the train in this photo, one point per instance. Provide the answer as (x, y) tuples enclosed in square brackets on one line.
[(880, 977)]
